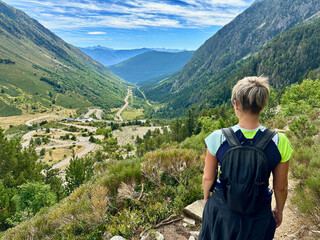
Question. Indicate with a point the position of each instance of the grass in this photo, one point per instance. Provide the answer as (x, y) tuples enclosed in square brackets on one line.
[(131, 113), (7, 110), (60, 154)]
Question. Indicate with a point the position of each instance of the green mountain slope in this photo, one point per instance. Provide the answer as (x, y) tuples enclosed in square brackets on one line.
[(38, 70), (150, 65), (290, 57), (216, 61)]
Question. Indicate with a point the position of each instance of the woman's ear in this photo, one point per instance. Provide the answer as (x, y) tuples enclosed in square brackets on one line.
[(235, 104)]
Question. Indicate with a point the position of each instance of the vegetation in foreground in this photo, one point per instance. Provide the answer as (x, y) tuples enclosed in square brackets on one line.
[(128, 196)]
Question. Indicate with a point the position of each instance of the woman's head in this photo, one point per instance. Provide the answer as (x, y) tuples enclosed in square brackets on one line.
[(251, 94)]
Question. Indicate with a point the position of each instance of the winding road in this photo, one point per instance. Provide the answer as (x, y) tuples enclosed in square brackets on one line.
[(29, 122), (124, 106), (92, 110), (82, 141)]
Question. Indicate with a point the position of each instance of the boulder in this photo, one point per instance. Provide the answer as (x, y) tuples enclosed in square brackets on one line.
[(117, 238), (194, 210)]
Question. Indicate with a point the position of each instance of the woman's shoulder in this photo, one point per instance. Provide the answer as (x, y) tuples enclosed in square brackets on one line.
[(213, 141)]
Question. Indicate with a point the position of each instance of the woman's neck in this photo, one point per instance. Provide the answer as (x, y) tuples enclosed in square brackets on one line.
[(249, 121)]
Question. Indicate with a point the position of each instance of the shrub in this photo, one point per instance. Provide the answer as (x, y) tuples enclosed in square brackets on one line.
[(171, 162), (124, 171)]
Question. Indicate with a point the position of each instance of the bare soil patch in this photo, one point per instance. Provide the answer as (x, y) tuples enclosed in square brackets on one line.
[(129, 134), (60, 154)]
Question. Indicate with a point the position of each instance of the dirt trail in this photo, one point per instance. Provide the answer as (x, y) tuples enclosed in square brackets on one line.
[(290, 229), (292, 220), (145, 98)]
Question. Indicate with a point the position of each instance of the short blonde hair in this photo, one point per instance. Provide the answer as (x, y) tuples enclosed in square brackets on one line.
[(252, 94)]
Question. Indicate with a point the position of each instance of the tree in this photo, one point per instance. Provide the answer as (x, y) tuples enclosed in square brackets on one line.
[(56, 183), (42, 151), (191, 121), (175, 129), (31, 197), (79, 171), (6, 206), (92, 139), (17, 166), (38, 141)]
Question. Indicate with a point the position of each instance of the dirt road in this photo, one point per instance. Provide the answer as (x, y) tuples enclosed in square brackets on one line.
[(124, 106), (29, 123), (92, 110)]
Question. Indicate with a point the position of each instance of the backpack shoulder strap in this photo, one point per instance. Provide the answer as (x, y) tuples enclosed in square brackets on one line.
[(231, 137), (264, 139)]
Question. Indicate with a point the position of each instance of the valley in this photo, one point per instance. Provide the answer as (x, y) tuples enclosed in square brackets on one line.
[(95, 152), (57, 152)]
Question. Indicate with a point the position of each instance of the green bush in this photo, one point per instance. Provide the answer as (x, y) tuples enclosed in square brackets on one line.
[(305, 167), (301, 98)]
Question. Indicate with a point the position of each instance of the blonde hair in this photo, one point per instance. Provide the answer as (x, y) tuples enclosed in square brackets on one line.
[(251, 94)]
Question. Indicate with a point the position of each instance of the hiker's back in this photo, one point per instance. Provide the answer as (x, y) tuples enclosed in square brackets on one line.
[(245, 172)]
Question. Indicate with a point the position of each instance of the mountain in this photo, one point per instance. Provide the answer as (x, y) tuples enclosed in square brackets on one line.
[(38, 70), (109, 56), (205, 75), (289, 57), (150, 65)]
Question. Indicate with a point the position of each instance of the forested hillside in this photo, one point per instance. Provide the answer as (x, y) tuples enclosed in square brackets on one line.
[(217, 61), (150, 65), (38, 70), (290, 57)]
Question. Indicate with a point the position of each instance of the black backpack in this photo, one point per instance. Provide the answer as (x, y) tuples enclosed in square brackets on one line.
[(245, 172)]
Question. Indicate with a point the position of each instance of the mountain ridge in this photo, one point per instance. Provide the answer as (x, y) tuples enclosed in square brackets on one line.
[(109, 56), (48, 71), (150, 65), (228, 49)]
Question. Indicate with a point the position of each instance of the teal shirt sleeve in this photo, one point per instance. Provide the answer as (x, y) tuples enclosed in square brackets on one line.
[(213, 142)]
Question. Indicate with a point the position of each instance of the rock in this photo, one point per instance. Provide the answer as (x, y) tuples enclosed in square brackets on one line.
[(184, 224), (159, 236), (106, 236), (192, 238), (117, 238), (195, 233), (189, 221), (152, 236), (194, 210)]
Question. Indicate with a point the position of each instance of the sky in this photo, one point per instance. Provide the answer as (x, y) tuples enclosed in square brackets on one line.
[(129, 24)]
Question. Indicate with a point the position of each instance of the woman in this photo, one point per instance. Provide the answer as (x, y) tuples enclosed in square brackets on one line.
[(249, 97)]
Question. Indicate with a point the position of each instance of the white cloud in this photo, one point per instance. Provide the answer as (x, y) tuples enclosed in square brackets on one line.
[(97, 33), (129, 14)]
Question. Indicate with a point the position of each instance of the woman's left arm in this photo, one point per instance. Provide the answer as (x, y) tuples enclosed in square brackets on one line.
[(209, 174)]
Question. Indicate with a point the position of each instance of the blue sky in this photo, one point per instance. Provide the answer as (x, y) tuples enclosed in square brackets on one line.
[(127, 24)]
